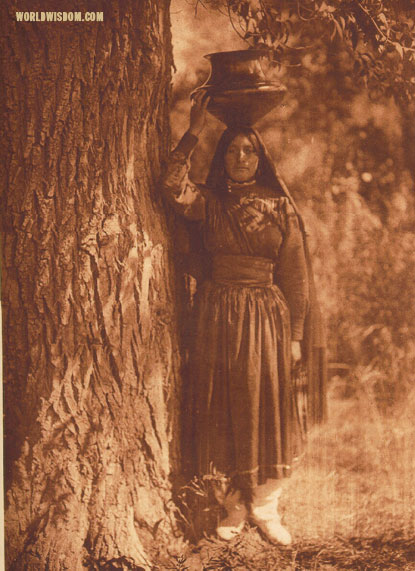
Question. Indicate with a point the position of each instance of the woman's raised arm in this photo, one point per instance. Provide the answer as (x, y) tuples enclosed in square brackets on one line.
[(185, 196)]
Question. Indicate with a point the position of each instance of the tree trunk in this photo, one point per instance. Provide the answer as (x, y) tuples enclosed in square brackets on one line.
[(90, 357)]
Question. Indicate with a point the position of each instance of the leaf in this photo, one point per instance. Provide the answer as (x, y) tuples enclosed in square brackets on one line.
[(244, 10), (339, 28), (251, 25), (354, 36), (383, 19), (399, 49)]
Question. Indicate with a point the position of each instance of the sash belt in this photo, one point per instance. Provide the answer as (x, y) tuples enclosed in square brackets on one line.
[(248, 271)]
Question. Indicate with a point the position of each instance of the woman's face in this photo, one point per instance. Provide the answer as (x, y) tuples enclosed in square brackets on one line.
[(241, 159)]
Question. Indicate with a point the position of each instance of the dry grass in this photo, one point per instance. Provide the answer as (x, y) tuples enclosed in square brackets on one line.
[(350, 503), (357, 475)]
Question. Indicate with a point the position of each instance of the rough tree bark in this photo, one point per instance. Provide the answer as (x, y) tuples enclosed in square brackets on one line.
[(90, 343)]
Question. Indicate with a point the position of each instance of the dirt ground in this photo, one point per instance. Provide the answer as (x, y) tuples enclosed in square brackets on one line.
[(350, 503), (250, 552)]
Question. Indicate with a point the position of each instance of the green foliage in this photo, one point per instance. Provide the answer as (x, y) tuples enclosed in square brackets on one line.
[(380, 35)]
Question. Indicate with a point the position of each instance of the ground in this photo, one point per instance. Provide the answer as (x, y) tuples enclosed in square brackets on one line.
[(349, 505)]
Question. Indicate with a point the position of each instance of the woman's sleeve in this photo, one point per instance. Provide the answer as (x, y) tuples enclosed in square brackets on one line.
[(292, 269), (186, 197)]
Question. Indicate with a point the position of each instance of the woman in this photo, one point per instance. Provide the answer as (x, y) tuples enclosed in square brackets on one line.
[(248, 330)]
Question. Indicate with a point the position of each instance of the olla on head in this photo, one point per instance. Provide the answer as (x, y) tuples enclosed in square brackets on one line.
[(241, 159)]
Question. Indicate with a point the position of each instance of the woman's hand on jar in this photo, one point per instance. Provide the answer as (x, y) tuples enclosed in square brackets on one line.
[(295, 352), (198, 112)]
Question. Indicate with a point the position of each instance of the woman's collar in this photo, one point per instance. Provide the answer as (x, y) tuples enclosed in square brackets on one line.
[(232, 185)]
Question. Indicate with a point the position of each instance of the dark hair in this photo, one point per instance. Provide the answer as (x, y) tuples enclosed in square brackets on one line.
[(217, 177), (246, 132)]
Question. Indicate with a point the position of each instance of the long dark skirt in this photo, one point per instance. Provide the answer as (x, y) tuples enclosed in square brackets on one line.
[(240, 408)]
